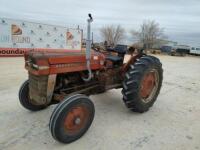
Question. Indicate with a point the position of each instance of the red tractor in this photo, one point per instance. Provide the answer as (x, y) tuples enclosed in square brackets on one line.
[(69, 78)]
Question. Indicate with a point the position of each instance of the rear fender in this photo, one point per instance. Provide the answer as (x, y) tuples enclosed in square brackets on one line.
[(131, 61)]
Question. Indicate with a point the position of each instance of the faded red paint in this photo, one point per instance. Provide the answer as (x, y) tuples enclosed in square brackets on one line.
[(54, 62), (147, 85), (76, 119)]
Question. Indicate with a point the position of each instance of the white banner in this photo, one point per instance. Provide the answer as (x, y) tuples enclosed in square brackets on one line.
[(22, 34)]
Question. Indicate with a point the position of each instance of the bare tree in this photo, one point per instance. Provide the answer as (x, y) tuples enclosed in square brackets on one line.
[(149, 34), (112, 34)]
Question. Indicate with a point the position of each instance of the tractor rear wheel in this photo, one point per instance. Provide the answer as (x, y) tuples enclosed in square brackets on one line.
[(25, 100), (142, 84), (71, 118)]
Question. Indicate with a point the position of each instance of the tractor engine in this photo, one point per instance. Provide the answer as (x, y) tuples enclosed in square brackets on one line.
[(101, 81)]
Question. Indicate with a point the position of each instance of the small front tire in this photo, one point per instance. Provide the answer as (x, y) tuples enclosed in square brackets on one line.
[(71, 118)]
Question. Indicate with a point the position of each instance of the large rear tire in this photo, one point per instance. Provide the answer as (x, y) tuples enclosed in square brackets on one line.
[(142, 84), (24, 98), (71, 118)]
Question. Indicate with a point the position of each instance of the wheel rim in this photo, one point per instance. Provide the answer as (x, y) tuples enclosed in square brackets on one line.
[(76, 119), (149, 85)]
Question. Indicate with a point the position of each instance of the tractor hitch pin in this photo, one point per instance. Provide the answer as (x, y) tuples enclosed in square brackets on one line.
[(88, 48)]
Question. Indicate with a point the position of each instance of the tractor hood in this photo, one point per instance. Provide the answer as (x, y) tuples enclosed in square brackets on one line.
[(44, 63)]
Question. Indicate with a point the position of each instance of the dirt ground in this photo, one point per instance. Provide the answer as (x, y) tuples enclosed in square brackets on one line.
[(173, 123)]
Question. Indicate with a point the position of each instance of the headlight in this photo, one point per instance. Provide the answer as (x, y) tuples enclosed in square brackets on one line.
[(40, 67), (35, 66)]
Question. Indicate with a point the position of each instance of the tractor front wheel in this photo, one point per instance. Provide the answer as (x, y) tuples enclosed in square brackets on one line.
[(25, 100), (142, 84), (71, 118)]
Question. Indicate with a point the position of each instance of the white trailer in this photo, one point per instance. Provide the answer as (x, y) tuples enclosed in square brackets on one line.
[(18, 36), (195, 50)]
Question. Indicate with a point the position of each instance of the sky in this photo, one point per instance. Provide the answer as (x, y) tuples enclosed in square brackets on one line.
[(179, 18)]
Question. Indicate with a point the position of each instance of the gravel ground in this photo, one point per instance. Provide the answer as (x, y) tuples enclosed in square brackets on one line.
[(173, 123)]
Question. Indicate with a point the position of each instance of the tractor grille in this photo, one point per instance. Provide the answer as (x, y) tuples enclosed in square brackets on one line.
[(38, 89)]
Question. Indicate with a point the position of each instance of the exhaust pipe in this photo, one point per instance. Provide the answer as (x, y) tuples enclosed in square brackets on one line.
[(88, 49)]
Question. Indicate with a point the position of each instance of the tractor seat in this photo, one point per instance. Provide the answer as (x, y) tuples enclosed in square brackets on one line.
[(114, 58)]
